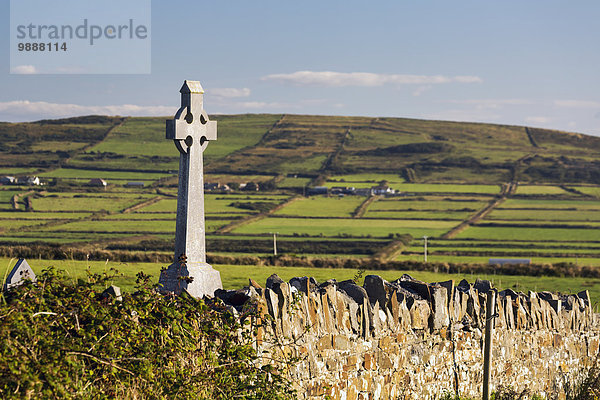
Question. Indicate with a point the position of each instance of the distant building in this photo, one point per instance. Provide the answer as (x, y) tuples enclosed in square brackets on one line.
[(250, 187), (209, 186), (317, 190), (135, 184), (502, 261), (97, 182), (382, 190), (364, 192), (212, 186), (28, 180), (7, 180), (342, 190)]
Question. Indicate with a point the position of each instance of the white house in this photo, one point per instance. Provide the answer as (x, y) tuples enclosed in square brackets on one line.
[(28, 180), (7, 180), (382, 189)]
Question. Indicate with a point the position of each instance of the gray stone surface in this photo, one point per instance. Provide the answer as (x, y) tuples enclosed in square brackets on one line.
[(304, 284), (20, 272), (413, 349), (198, 279), (112, 291), (191, 131), (375, 287)]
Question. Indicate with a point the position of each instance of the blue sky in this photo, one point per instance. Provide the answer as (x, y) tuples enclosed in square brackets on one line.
[(530, 63)]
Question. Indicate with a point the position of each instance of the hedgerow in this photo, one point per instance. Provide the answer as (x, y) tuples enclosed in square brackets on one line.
[(60, 339)]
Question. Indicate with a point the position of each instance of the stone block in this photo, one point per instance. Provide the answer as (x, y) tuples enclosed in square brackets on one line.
[(20, 272), (272, 301), (238, 297), (324, 343), (341, 342), (113, 292), (274, 280), (370, 361), (254, 284), (439, 297), (357, 293), (419, 314), (463, 286), (585, 296), (198, 279), (416, 287), (378, 289), (304, 284), (482, 285), (449, 285)]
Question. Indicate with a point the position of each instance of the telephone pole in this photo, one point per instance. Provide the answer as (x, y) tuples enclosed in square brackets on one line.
[(275, 243)]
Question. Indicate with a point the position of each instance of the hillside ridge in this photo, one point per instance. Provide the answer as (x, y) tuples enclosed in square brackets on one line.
[(313, 146)]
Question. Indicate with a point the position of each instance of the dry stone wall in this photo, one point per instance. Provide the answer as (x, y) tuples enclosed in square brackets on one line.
[(410, 339)]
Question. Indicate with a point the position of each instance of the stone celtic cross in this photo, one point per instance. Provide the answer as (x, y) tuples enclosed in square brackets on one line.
[(191, 131)]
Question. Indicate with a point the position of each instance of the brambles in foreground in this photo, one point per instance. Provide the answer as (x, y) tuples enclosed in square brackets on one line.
[(63, 340)]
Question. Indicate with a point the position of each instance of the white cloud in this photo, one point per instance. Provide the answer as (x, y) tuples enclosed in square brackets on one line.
[(262, 105), (229, 93), (339, 79), (421, 89), (577, 103), (537, 120), (269, 105), (24, 110), (24, 70)]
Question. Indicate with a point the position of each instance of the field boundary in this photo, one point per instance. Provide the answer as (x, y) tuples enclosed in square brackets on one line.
[(475, 218), (141, 205), (531, 138), (389, 252), (362, 208)]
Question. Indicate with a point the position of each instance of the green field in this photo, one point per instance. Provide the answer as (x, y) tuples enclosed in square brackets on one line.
[(446, 172), (539, 190), (73, 173), (213, 204), (11, 224), (428, 203), (447, 188), (6, 195), (16, 171), (318, 206), (236, 276), (509, 251), (529, 234), (552, 204), (346, 180), (42, 215), (592, 191), (442, 215), (84, 203), (354, 227), (133, 227), (588, 261), (293, 182), (544, 215)]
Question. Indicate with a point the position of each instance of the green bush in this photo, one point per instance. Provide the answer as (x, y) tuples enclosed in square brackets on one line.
[(65, 340)]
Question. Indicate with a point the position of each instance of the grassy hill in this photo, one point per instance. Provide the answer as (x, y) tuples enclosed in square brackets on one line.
[(478, 191), (262, 144)]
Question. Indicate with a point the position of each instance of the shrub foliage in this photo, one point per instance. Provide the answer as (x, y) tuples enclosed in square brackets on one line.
[(65, 340)]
